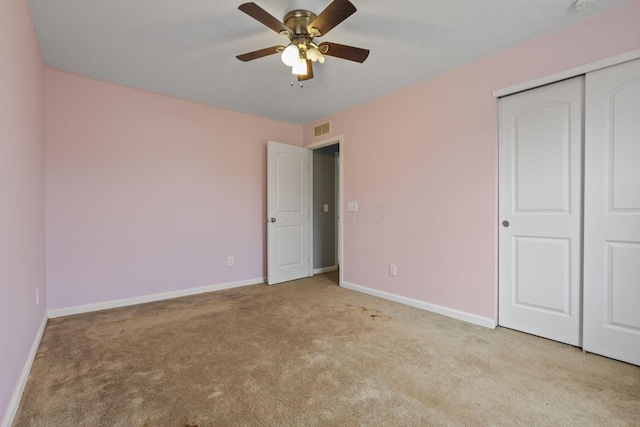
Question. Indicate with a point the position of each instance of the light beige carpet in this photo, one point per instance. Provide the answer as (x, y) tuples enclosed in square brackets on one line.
[(310, 353)]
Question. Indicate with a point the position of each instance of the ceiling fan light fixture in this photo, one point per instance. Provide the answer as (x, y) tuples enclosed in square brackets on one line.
[(315, 55), (291, 55), (300, 67), (301, 27)]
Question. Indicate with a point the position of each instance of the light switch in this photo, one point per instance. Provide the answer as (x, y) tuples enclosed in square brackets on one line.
[(352, 207), (326, 207)]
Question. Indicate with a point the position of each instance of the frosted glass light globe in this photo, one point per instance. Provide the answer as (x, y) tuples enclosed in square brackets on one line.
[(315, 55), (300, 67), (291, 55)]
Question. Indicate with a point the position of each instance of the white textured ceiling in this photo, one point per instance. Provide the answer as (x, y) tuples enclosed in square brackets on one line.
[(187, 48)]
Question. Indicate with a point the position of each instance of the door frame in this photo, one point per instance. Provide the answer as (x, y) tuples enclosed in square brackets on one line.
[(567, 74), (338, 139)]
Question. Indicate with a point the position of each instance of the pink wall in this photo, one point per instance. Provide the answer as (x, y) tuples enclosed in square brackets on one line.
[(149, 194), (22, 266), (426, 159)]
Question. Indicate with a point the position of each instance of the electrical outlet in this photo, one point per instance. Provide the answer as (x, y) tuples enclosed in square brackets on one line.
[(393, 271), (230, 261)]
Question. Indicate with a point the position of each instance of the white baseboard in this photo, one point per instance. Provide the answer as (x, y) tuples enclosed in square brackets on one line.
[(325, 269), (450, 312), (14, 404), (59, 312)]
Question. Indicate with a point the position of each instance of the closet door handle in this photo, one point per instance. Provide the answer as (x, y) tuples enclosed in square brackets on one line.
[(505, 224), (273, 220)]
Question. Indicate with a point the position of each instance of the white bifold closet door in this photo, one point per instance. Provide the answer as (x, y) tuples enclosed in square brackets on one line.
[(612, 213), (570, 253), (541, 211)]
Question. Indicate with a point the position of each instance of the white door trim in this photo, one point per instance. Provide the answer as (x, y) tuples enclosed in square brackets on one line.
[(338, 139), (573, 72)]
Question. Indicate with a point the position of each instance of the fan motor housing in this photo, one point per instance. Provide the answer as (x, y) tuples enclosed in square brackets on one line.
[(298, 21)]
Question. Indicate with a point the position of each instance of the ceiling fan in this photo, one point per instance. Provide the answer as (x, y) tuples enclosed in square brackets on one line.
[(302, 27)]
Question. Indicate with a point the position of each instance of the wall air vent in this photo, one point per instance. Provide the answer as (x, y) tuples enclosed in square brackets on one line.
[(322, 129)]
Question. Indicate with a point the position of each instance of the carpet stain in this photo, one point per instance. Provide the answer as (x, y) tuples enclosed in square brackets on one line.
[(185, 422), (368, 311)]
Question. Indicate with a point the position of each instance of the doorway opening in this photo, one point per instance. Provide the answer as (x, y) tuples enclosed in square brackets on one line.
[(326, 207)]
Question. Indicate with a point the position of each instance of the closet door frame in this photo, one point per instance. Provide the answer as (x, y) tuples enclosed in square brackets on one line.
[(567, 74)]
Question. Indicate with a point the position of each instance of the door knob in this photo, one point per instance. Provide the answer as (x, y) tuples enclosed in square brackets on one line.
[(505, 223), (273, 220)]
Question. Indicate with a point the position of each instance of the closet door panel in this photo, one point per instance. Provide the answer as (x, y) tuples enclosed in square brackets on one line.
[(541, 211), (612, 213)]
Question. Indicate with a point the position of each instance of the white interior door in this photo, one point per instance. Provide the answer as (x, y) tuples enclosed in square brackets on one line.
[(541, 210), (612, 213), (289, 212)]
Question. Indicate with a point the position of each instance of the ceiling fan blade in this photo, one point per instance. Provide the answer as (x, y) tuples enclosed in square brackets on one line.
[(250, 56), (309, 74), (335, 13), (351, 53), (264, 17)]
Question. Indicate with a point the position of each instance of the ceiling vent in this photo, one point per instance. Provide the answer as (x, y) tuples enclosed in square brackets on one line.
[(322, 129)]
